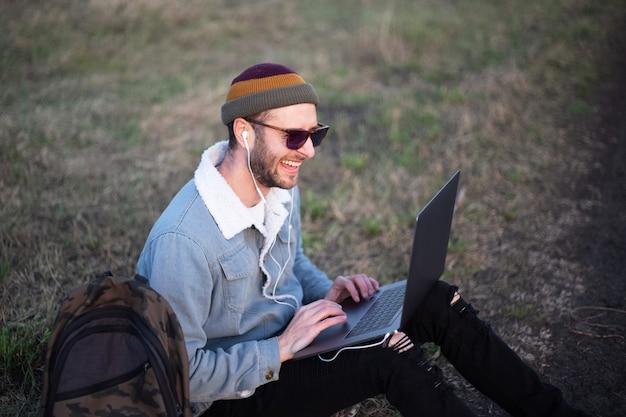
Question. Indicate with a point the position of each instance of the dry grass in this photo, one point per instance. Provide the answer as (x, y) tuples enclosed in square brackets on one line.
[(105, 107)]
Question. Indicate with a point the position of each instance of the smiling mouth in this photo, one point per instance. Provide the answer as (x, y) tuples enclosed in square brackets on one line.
[(293, 164)]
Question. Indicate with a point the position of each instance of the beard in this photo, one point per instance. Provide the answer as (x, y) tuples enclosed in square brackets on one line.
[(264, 165)]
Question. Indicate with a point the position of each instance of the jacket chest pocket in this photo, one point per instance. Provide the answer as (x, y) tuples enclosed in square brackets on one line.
[(241, 272)]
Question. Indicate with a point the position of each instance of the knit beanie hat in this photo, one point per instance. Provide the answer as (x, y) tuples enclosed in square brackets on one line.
[(264, 87)]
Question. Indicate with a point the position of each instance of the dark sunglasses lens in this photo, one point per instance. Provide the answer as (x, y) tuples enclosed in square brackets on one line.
[(296, 138), (319, 135)]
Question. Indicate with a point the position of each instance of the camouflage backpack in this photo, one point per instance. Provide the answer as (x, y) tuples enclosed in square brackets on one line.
[(116, 349)]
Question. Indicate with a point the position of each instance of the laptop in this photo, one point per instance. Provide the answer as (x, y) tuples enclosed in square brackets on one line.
[(392, 307)]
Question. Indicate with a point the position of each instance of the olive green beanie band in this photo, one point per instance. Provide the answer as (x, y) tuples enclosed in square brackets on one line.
[(264, 87)]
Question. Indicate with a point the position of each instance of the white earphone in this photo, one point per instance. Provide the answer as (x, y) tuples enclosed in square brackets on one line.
[(276, 298), (244, 135)]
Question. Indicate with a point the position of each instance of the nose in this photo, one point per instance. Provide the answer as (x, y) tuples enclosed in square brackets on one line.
[(307, 150)]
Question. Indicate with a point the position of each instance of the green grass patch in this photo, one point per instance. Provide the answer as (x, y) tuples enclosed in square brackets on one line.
[(523, 311), (373, 226), (22, 351), (5, 269), (579, 108), (354, 162), (313, 205)]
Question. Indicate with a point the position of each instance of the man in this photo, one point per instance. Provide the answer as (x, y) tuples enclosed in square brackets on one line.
[(227, 254)]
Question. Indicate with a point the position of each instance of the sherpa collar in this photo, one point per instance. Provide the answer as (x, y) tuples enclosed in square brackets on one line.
[(230, 214)]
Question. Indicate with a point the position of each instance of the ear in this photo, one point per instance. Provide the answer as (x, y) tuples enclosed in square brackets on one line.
[(240, 126)]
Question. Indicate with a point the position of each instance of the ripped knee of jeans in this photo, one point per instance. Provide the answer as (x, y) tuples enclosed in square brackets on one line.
[(469, 315), (455, 298), (435, 373), (399, 342)]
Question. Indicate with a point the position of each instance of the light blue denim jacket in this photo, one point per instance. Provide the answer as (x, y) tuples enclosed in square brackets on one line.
[(218, 268)]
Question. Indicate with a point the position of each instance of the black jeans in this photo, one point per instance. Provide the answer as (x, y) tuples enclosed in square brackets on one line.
[(310, 387)]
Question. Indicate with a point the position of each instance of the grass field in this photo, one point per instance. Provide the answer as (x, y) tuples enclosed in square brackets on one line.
[(105, 107)]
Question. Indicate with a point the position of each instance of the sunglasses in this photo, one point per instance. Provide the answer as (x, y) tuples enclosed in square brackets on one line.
[(296, 138)]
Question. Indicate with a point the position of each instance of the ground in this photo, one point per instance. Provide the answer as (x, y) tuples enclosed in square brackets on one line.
[(585, 225), (569, 263)]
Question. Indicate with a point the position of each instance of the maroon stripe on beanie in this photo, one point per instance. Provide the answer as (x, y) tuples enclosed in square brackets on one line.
[(262, 71)]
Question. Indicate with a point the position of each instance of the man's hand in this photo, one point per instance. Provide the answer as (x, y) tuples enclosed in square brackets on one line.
[(358, 287), (308, 322)]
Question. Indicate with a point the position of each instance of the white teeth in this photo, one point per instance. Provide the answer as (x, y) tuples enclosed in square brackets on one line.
[(292, 163)]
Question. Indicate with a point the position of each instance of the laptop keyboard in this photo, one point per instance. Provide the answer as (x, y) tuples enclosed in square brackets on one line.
[(381, 313)]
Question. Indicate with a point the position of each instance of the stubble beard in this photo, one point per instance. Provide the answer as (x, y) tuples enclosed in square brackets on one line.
[(264, 165)]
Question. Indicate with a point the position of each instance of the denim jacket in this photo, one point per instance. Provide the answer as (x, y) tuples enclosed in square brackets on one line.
[(233, 283)]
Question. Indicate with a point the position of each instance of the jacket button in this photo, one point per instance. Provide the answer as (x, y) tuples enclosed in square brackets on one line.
[(269, 374)]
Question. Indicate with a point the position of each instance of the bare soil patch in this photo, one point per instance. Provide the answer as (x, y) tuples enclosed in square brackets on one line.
[(572, 261)]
